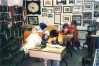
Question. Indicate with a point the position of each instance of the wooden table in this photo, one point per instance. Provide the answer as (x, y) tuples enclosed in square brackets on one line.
[(48, 53)]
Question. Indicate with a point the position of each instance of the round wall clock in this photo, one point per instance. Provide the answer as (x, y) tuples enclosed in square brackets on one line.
[(33, 7)]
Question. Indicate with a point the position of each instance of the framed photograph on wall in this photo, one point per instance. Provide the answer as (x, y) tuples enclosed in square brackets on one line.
[(87, 23), (44, 9), (96, 6), (57, 18), (66, 18), (66, 9), (60, 2), (50, 15), (87, 6), (78, 19), (57, 9), (33, 20), (49, 10), (88, 0), (87, 15), (44, 14), (47, 3), (96, 1), (96, 13), (78, 1), (77, 9), (71, 1)]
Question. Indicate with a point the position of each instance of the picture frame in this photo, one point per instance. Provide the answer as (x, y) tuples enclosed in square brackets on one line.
[(88, 0), (44, 14), (57, 9), (49, 10), (87, 6), (50, 15), (66, 9), (47, 3), (60, 2), (96, 1), (78, 1), (96, 6), (33, 20), (44, 9), (87, 15), (66, 18), (96, 13), (47, 21), (87, 23), (78, 19), (57, 18), (71, 1)]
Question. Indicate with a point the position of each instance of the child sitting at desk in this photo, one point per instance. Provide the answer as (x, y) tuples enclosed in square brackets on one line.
[(73, 28), (55, 39), (32, 40)]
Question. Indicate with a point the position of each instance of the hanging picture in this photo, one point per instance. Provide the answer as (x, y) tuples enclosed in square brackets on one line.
[(87, 15), (49, 10), (96, 13), (66, 18), (66, 9), (87, 23), (88, 0), (96, 6), (44, 9), (87, 6), (60, 2), (96, 1), (50, 15), (33, 20), (57, 18), (78, 1), (44, 14), (57, 9), (47, 3), (77, 9), (71, 1)]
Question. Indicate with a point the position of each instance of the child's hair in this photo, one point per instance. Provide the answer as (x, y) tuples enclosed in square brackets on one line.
[(74, 23), (53, 33)]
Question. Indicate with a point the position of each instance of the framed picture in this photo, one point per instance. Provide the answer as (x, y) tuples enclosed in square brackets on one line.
[(44, 9), (81, 34), (87, 6), (47, 21), (77, 9), (88, 0), (66, 18), (96, 13), (78, 19), (96, 6), (60, 2), (49, 10), (87, 15), (71, 1), (33, 20), (66, 9), (47, 3), (57, 18), (96, 1), (44, 14), (87, 23), (78, 1), (57, 9), (50, 15)]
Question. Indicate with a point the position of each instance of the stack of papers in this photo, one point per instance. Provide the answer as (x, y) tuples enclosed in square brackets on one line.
[(55, 46)]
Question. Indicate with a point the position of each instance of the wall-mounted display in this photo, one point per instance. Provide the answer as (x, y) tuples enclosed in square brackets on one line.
[(33, 20), (71, 1), (49, 10), (66, 9), (87, 15), (66, 18), (44, 14), (44, 9), (88, 0), (47, 3), (57, 9), (57, 18), (60, 2), (96, 6), (50, 15), (96, 13), (87, 6), (87, 23), (77, 18), (33, 7), (77, 9), (78, 1)]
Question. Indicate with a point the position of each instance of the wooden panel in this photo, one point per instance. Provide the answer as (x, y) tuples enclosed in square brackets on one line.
[(51, 27)]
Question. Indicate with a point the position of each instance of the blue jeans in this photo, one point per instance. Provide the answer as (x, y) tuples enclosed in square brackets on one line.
[(56, 63)]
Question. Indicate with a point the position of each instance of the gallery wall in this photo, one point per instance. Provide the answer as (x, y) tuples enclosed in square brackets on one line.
[(83, 11)]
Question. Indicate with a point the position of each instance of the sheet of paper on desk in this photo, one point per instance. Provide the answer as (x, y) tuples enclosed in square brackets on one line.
[(55, 46)]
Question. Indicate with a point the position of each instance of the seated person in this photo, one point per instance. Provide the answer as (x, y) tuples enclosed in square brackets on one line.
[(54, 39), (73, 28), (32, 40)]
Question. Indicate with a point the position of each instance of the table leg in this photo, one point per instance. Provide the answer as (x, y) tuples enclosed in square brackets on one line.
[(45, 62)]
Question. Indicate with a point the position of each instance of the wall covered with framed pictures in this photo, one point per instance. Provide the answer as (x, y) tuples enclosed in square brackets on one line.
[(58, 12)]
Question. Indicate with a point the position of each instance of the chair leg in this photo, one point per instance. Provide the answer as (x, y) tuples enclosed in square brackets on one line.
[(70, 52), (65, 62)]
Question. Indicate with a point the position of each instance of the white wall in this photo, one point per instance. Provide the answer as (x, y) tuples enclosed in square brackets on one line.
[(41, 19)]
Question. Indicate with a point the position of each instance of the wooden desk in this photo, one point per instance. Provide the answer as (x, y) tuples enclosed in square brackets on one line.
[(67, 37), (48, 53)]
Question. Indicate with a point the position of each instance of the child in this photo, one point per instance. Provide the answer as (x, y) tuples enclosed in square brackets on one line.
[(32, 40), (45, 35), (73, 28), (55, 39)]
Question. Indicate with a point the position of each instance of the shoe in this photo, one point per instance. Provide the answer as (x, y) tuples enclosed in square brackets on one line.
[(80, 47), (75, 48)]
